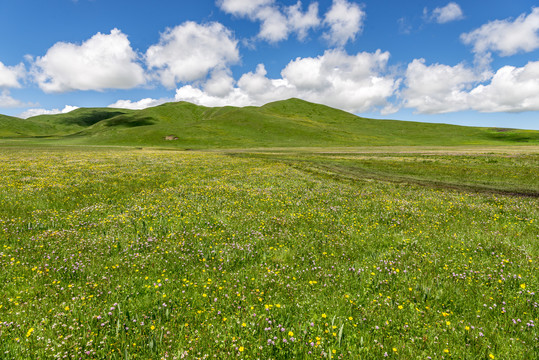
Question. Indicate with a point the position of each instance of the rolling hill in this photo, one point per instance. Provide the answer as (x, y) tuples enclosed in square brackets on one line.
[(287, 123)]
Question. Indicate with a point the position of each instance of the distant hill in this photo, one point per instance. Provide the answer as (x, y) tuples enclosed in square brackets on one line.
[(287, 123)]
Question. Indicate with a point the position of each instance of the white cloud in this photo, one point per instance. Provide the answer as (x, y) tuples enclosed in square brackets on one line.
[(243, 7), (196, 96), (274, 25), (105, 61), (10, 75), (190, 51), (440, 88), (345, 20), (138, 105), (302, 22), (506, 37), (448, 13), (35, 112), (6, 101), (354, 83), (277, 23), (511, 89), (437, 88), (220, 83)]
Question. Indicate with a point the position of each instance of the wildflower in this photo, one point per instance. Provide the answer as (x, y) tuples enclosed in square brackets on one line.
[(66, 308), (241, 349), (446, 351), (491, 356), (244, 324), (394, 349), (152, 327), (523, 286), (290, 333), (29, 332), (324, 316)]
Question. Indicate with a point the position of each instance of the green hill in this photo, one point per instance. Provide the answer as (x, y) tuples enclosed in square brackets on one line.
[(12, 127), (288, 123)]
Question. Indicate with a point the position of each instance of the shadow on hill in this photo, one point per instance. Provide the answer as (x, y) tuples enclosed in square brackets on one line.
[(91, 118), (129, 121), (514, 135)]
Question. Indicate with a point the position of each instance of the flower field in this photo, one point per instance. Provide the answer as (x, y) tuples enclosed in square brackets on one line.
[(147, 254)]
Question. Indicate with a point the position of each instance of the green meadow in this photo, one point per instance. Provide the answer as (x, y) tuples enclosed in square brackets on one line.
[(368, 252), (286, 231)]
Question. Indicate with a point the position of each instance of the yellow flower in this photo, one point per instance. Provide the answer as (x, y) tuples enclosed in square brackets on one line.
[(446, 350), (400, 307), (523, 286), (30, 331), (394, 349), (241, 349), (334, 351), (448, 323), (66, 308), (324, 316), (491, 356), (152, 327), (290, 333), (467, 328), (244, 324)]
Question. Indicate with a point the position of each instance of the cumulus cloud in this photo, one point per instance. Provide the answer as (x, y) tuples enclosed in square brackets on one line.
[(197, 96), (6, 101), (138, 105), (243, 7), (105, 61), (35, 112), (511, 89), (345, 20), (190, 51), (10, 75), (354, 83), (448, 13), (220, 83), (441, 88), (301, 22), (506, 37), (274, 25), (277, 23), (437, 88)]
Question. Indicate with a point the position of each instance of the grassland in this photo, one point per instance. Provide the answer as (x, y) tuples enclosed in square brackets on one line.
[(404, 253)]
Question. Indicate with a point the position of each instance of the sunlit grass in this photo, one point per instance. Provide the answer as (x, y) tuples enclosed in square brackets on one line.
[(125, 254)]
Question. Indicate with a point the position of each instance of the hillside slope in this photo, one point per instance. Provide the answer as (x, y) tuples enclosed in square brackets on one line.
[(12, 127), (288, 123)]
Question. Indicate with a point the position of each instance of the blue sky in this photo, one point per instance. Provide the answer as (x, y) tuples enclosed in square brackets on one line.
[(468, 63)]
